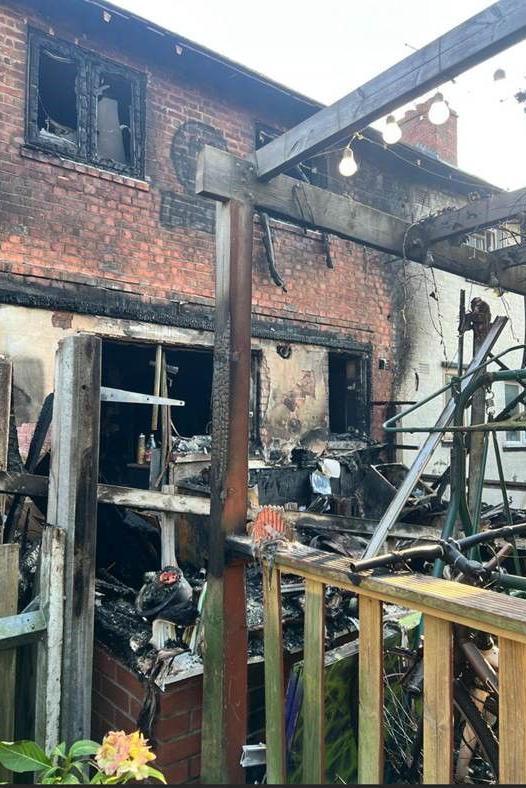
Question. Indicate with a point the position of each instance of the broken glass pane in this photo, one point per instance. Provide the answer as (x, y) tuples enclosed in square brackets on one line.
[(57, 99), (114, 99)]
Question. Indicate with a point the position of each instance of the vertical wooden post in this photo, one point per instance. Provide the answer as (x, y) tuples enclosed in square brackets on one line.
[(8, 607), (274, 679), (512, 706), (371, 694), (72, 506), (49, 649), (438, 701), (314, 684), (224, 617), (6, 379)]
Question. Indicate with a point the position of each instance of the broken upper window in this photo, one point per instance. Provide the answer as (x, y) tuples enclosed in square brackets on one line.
[(312, 171), (348, 393), (85, 108)]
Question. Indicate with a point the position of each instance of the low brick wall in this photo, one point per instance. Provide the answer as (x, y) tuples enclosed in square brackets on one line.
[(118, 695)]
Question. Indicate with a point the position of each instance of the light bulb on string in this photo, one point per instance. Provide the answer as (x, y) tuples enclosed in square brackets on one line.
[(438, 111), (348, 165), (392, 132), (500, 84)]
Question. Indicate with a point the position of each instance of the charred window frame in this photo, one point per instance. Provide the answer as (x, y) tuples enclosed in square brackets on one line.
[(349, 393), (313, 171), (97, 113)]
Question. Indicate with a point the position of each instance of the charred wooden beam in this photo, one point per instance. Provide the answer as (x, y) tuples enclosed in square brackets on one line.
[(476, 215), (222, 176), (475, 40)]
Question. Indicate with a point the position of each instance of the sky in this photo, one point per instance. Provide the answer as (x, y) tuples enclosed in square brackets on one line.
[(326, 49)]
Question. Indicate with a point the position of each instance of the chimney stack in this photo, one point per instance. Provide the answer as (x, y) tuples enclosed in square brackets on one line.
[(419, 132)]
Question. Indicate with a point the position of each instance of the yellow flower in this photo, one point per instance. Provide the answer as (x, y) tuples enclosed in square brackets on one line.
[(123, 754), (113, 751)]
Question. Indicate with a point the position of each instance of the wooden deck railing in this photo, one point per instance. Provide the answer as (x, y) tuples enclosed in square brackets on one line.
[(443, 603)]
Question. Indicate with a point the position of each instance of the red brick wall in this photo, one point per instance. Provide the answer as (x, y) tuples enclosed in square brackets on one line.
[(72, 222), (117, 699)]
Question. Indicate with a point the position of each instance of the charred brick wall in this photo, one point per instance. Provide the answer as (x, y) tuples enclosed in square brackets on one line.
[(118, 694), (65, 222)]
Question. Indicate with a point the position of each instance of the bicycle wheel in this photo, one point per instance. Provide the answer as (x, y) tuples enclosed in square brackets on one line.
[(475, 743)]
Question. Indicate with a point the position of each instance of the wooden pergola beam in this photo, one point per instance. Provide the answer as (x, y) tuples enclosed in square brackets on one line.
[(222, 176), (492, 30), (486, 212)]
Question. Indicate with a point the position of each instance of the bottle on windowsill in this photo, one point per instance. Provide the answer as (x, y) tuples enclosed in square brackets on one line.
[(141, 449), (149, 448)]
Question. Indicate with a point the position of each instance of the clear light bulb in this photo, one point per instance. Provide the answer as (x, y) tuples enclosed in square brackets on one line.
[(392, 132), (348, 164), (438, 111)]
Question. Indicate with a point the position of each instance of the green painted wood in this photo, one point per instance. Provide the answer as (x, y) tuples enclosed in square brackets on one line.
[(274, 679), (21, 629), (314, 685), (371, 694)]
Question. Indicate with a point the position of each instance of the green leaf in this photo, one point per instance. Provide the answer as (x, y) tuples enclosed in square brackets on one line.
[(23, 756), (156, 774), (82, 748), (59, 751)]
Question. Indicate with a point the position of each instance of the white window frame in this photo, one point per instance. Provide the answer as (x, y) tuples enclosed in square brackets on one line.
[(520, 440)]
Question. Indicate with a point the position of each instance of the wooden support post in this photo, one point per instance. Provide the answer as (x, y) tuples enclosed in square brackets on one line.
[(512, 711), (371, 694), (274, 679), (438, 701), (49, 649), (6, 379), (314, 684), (224, 617), (72, 505), (8, 607), (166, 630)]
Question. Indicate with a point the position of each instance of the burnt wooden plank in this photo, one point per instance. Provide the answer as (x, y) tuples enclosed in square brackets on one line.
[(314, 684), (274, 679), (371, 694), (8, 608), (72, 506), (438, 701), (151, 499), (224, 615), (475, 40)]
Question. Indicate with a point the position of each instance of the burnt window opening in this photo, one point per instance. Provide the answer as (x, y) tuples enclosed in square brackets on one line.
[(84, 107), (313, 171), (348, 394), (131, 367), (57, 99)]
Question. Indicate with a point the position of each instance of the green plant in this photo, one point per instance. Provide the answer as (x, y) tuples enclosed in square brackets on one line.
[(119, 759)]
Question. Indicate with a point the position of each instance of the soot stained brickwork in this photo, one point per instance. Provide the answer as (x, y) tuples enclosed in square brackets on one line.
[(70, 223)]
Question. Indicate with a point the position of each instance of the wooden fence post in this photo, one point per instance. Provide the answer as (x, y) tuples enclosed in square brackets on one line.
[(72, 506), (438, 701), (274, 679), (49, 649), (314, 684), (224, 615), (8, 607), (371, 693), (512, 710)]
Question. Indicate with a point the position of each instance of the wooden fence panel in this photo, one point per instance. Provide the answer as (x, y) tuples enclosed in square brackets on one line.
[(371, 694), (314, 685), (274, 679), (512, 712), (438, 701)]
